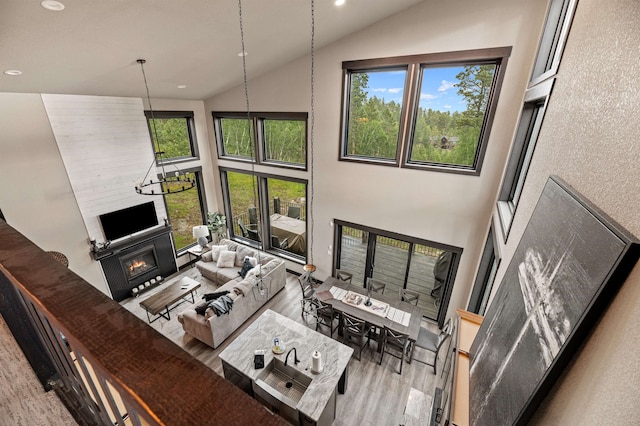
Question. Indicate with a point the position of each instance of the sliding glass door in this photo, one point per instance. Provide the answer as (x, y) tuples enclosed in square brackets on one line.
[(399, 262)]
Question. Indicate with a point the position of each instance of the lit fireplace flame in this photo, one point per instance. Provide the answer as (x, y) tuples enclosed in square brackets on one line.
[(137, 264)]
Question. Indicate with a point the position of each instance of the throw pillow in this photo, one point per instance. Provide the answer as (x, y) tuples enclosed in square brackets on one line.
[(215, 251), (201, 308), (253, 272), (246, 266), (226, 259), (243, 252), (252, 260)]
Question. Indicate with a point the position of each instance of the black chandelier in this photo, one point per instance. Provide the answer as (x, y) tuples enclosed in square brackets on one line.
[(170, 182)]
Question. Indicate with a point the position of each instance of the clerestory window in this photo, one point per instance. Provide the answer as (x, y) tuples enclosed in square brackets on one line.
[(430, 111)]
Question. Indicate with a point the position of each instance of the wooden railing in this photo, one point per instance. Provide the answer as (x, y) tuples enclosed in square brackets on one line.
[(114, 367), (362, 237)]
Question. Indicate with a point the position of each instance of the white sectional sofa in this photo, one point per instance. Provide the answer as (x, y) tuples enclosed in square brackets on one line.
[(212, 329)]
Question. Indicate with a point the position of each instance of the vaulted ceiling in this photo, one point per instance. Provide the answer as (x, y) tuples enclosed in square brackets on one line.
[(91, 46)]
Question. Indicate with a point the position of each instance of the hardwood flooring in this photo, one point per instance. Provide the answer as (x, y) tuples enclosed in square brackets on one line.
[(376, 394)]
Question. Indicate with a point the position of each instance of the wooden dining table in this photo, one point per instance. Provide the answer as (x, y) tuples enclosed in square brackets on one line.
[(412, 329)]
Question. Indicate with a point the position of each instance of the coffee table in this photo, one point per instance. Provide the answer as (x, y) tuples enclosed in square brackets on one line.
[(162, 302)]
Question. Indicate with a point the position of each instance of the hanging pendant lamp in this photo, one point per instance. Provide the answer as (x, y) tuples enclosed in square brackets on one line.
[(168, 182)]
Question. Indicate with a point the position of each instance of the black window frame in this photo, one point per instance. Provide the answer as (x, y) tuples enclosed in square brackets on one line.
[(415, 64), (485, 276), (259, 144), (191, 131), (199, 187), (264, 208), (554, 35)]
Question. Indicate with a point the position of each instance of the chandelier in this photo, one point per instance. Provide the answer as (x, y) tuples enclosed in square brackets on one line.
[(168, 182)]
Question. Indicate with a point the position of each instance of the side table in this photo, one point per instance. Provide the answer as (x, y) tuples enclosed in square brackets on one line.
[(195, 253)]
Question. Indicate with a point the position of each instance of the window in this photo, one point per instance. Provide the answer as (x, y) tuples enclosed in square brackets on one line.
[(427, 111), (185, 210), (176, 132), (280, 139), (485, 277), (546, 65), (267, 212), (400, 262)]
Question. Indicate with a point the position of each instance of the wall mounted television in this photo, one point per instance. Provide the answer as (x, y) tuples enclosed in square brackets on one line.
[(120, 223)]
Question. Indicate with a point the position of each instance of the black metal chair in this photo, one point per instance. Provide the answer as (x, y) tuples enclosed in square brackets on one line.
[(309, 299), (276, 243), (294, 212), (343, 275), (395, 344), (431, 342), (326, 316), (409, 296), (243, 229), (355, 330), (252, 234)]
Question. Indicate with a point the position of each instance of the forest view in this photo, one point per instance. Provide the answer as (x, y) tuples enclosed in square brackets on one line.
[(439, 135)]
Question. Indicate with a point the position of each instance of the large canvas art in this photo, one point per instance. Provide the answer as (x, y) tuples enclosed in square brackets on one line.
[(568, 265)]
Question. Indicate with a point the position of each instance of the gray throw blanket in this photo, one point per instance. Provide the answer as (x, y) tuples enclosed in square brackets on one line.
[(222, 305)]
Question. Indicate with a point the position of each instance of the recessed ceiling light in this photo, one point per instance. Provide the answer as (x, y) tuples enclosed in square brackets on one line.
[(54, 5), (241, 54), (13, 72), (182, 86), (339, 2)]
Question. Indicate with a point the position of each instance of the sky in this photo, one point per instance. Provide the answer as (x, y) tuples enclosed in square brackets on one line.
[(437, 92)]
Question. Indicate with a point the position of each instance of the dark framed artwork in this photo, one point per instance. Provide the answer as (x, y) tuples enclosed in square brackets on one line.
[(571, 260)]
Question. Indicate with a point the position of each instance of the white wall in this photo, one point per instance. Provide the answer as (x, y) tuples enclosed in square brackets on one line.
[(36, 196), (441, 207), (590, 139)]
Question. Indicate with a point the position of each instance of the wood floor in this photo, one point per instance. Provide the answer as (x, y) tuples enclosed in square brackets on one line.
[(376, 394)]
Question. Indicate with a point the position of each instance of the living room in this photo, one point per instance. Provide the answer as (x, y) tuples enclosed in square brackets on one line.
[(448, 208)]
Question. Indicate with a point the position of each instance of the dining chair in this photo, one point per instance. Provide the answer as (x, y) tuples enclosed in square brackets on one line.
[(343, 275), (355, 330), (276, 243), (243, 229), (431, 342), (409, 296), (376, 286), (294, 212), (254, 235), (326, 316), (308, 298), (395, 344)]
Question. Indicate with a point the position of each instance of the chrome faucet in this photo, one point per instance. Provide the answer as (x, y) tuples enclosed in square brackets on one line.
[(295, 357)]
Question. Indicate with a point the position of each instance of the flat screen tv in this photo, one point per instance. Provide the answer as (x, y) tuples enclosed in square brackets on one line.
[(121, 223)]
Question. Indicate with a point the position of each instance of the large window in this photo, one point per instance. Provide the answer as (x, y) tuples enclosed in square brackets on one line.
[(399, 262), (427, 111), (186, 210), (485, 277), (545, 67), (267, 212), (280, 139), (175, 132)]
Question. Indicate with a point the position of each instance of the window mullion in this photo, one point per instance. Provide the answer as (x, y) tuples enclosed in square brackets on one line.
[(412, 99)]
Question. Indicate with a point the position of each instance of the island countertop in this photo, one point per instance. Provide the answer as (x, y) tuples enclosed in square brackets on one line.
[(260, 335)]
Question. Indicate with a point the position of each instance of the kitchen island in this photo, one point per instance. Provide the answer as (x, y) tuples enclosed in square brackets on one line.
[(317, 403)]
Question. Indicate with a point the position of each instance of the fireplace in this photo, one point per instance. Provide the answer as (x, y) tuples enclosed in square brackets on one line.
[(139, 262), (134, 261)]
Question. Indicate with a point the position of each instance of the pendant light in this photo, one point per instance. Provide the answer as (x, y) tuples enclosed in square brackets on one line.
[(168, 182)]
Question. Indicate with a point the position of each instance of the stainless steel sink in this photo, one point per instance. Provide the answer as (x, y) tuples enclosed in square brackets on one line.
[(281, 386)]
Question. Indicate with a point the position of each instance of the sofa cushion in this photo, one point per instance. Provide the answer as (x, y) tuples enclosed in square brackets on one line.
[(242, 288), (273, 264), (226, 259), (215, 252), (251, 274), (264, 259), (224, 275), (243, 252)]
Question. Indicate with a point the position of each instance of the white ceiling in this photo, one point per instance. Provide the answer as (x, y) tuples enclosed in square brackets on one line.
[(91, 47)]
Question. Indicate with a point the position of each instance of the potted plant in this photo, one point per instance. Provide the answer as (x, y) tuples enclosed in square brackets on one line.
[(217, 223)]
